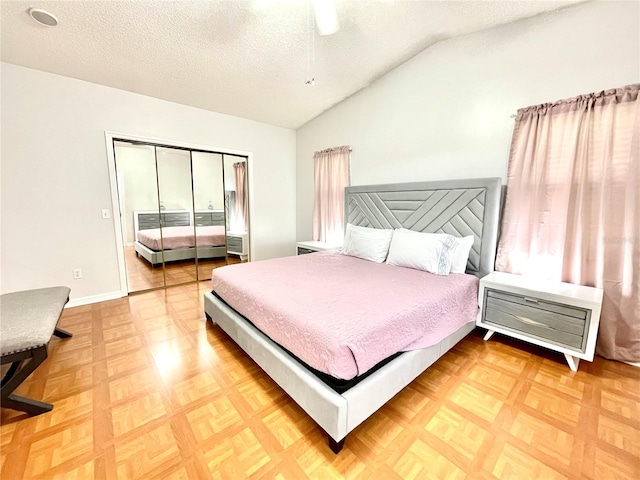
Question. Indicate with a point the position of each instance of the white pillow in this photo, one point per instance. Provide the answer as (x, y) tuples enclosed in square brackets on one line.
[(367, 243), (461, 254), (431, 252)]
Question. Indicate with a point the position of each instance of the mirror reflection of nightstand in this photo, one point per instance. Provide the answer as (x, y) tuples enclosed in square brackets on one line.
[(238, 244), (311, 246)]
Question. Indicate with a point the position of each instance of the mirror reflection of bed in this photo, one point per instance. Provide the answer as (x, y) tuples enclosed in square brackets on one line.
[(175, 246), (142, 276), (178, 207)]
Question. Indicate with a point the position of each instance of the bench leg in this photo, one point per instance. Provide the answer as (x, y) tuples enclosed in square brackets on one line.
[(27, 405), (11, 372), (60, 333), (17, 373)]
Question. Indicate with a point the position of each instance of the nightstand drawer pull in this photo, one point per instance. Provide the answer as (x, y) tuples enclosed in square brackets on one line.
[(530, 300), (529, 321)]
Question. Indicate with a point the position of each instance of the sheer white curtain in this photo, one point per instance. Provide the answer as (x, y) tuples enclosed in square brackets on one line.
[(331, 175), (572, 210)]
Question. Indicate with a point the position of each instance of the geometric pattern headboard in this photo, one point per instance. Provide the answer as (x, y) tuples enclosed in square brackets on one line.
[(457, 207)]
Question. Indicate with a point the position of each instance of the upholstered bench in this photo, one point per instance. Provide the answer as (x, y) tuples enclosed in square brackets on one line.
[(27, 321)]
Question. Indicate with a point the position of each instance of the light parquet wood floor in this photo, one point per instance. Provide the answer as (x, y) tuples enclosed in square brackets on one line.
[(147, 389)]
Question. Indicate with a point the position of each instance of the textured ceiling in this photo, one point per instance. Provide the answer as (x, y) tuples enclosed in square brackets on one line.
[(245, 58)]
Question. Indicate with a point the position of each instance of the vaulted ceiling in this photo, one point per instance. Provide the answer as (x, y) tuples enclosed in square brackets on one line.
[(248, 58)]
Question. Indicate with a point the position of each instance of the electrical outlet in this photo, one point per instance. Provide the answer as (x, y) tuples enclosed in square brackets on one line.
[(77, 273), (106, 213)]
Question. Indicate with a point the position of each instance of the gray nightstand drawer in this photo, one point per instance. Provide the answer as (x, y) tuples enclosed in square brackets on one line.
[(149, 223), (202, 223), (234, 244), (209, 218), (532, 301), (217, 218), (559, 324), (179, 219), (149, 217)]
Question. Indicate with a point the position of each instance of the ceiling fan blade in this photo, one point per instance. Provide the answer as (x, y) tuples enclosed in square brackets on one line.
[(326, 17)]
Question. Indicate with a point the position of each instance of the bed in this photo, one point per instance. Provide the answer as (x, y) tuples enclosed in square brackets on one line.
[(456, 207), (177, 235)]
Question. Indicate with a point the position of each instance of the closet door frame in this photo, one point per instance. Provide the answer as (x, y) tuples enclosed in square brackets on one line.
[(113, 184)]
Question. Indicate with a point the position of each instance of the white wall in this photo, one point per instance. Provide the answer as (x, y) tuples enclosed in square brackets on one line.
[(174, 179), (446, 113), (55, 180), (229, 175), (207, 180)]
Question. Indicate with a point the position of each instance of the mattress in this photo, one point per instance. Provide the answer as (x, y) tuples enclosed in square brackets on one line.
[(182, 237), (342, 315)]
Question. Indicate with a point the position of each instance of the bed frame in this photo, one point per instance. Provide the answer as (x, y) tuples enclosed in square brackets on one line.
[(144, 220), (457, 207), (155, 257)]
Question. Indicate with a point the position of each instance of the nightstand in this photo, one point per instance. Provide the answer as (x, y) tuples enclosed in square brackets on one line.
[(238, 244), (311, 246), (559, 316)]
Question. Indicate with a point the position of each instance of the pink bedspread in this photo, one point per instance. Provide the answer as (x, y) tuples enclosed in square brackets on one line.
[(342, 315), (182, 237)]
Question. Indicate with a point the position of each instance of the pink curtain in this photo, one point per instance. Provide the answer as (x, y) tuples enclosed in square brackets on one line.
[(572, 210), (331, 175), (241, 210)]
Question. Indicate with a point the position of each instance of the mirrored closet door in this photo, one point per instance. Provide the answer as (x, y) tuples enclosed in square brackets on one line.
[(177, 234), (183, 213), (236, 205), (208, 194), (139, 211)]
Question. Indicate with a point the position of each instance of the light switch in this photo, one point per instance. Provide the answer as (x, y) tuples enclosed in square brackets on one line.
[(106, 213)]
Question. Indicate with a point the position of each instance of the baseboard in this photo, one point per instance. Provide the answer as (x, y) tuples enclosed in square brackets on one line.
[(635, 364), (76, 302)]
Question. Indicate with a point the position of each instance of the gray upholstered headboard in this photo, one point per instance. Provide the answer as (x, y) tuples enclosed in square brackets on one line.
[(457, 207)]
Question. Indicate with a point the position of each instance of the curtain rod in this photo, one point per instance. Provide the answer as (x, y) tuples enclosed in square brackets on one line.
[(330, 149)]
